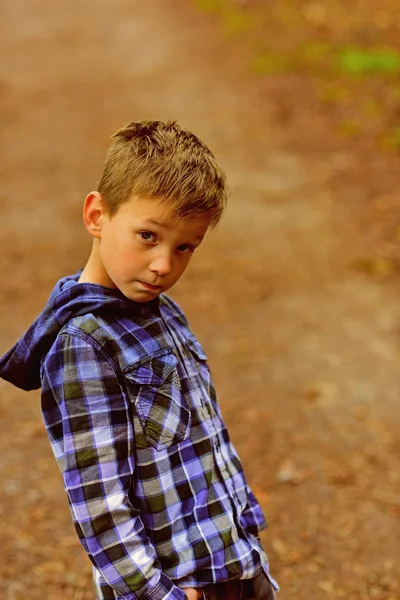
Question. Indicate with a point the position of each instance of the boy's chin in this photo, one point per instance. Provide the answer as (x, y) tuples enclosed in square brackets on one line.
[(140, 296)]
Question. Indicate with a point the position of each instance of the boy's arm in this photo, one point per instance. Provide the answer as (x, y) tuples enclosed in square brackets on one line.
[(252, 515), (87, 413)]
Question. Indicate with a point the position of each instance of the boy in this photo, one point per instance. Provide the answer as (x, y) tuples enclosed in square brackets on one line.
[(156, 490)]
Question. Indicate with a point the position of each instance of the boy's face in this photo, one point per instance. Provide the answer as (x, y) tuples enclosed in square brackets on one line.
[(142, 249)]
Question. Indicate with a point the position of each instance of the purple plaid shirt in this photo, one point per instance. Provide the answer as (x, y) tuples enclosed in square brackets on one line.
[(156, 490)]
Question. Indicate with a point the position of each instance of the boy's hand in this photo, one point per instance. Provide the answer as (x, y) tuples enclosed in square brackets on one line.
[(192, 593)]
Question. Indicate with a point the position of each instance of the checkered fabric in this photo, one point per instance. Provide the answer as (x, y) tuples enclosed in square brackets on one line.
[(155, 487)]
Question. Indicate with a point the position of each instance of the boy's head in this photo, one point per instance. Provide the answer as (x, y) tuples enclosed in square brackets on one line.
[(160, 160), (161, 190)]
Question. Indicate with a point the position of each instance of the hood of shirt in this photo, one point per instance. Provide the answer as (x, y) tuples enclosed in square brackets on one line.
[(21, 364)]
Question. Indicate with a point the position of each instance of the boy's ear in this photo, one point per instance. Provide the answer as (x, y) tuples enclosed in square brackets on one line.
[(94, 213)]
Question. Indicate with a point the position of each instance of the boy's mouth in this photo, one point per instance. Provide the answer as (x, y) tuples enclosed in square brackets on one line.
[(148, 286)]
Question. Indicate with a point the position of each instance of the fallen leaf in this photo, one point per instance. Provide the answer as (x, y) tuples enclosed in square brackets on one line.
[(289, 473)]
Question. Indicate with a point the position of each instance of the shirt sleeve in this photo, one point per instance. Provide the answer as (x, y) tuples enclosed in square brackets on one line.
[(252, 516), (89, 425)]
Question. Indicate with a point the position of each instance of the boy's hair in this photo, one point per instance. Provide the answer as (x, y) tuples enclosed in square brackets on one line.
[(161, 160)]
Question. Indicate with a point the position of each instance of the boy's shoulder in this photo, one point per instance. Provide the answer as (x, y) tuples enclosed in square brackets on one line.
[(78, 315), (173, 312)]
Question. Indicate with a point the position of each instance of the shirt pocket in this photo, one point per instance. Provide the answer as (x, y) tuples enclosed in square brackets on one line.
[(155, 389)]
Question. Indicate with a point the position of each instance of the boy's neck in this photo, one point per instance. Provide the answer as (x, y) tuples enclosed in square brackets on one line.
[(94, 271)]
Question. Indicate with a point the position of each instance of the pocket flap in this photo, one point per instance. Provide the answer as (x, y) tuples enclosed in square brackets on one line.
[(152, 370)]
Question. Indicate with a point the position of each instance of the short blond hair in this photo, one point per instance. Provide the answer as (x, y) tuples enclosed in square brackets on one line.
[(161, 160)]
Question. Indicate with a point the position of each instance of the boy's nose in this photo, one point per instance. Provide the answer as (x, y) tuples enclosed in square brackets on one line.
[(161, 265)]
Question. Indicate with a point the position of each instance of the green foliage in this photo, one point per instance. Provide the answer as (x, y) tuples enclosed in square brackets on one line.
[(345, 78), (360, 62), (264, 62), (334, 93), (392, 139), (320, 58), (350, 128), (236, 22), (370, 107), (316, 52)]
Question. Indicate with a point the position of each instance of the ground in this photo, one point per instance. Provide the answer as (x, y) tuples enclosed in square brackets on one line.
[(293, 297)]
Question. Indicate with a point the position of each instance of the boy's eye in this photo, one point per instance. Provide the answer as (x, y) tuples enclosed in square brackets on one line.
[(148, 236), (185, 248)]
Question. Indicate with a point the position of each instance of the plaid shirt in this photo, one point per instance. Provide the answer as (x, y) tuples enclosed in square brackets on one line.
[(156, 489)]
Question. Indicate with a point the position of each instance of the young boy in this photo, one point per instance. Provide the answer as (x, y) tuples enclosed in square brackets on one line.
[(155, 488)]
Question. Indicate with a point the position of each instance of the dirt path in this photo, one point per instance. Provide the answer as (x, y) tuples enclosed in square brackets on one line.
[(304, 350)]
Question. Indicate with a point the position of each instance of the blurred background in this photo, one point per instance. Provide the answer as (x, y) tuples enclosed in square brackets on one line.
[(294, 297)]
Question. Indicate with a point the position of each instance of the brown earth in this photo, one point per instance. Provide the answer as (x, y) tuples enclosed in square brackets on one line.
[(294, 297)]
